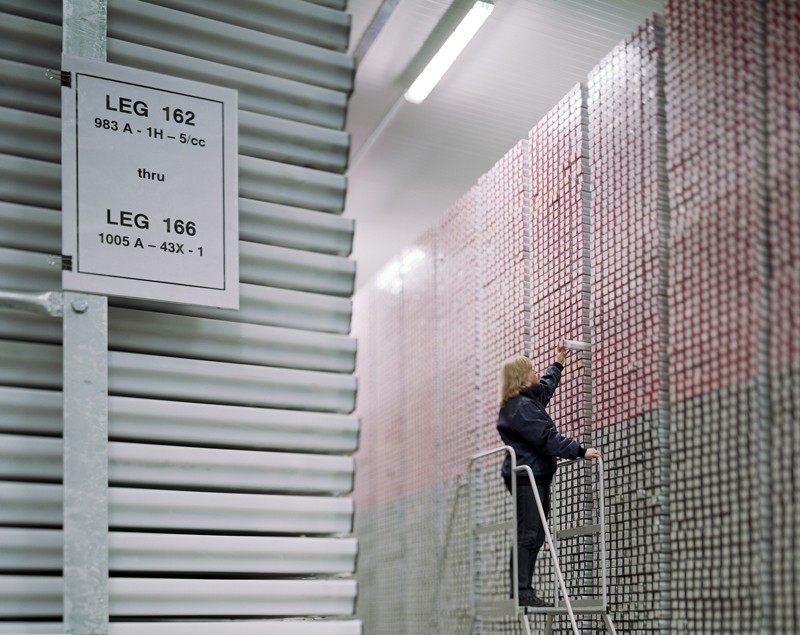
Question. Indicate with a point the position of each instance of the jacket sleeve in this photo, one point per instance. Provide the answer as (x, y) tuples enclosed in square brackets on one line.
[(543, 437), (556, 444), (549, 381)]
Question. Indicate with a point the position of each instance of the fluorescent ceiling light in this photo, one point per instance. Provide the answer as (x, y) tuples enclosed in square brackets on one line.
[(390, 278), (450, 50)]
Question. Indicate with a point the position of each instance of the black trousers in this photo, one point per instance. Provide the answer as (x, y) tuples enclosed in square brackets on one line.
[(530, 532)]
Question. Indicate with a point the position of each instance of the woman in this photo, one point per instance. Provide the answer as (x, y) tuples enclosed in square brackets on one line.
[(523, 423)]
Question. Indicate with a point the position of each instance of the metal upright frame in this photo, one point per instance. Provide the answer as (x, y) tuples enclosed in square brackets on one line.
[(85, 393), (512, 606)]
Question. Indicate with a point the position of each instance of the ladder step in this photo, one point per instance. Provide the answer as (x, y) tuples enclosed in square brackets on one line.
[(578, 608), (506, 607), (574, 532), (591, 603)]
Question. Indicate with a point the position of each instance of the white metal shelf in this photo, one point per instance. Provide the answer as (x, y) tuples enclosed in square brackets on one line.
[(171, 510), (30, 41), (33, 411), (30, 181), (172, 596), (29, 271), (36, 458), (275, 139), (30, 228), (201, 338), (269, 305), (31, 135), (40, 597), (150, 376), (231, 627), (268, 627), (30, 365), (30, 596), (213, 425), (179, 467), (320, 23), (41, 550), (136, 375), (293, 185), (39, 505), (26, 87), (294, 269), (236, 46), (31, 504), (295, 228)]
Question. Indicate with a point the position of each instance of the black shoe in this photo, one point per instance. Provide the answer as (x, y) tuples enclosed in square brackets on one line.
[(531, 599)]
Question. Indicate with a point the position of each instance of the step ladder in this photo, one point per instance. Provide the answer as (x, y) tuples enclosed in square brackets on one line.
[(489, 585)]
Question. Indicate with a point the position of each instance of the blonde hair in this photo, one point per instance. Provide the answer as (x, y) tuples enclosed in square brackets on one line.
[(514, 377)]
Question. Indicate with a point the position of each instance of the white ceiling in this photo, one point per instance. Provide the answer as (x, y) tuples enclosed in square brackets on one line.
[(409, 163)]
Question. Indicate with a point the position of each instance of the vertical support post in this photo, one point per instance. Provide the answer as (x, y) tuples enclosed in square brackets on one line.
[(85, 387), (84, 28), (554, 524), (473, 565), (765, 412), (85, 464), (602, 520), (590, 438), (514, 536), (664, 460)]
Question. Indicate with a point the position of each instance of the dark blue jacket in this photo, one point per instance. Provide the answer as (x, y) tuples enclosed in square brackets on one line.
[(523, 423)]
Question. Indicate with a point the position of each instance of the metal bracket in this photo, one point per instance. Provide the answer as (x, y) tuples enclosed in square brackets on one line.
[(50, 303), (65, 77)]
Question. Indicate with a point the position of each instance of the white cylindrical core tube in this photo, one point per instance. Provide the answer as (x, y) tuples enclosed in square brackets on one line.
[(575, 345)]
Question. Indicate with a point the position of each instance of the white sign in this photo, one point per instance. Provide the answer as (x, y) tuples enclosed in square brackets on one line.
[(150, 187)]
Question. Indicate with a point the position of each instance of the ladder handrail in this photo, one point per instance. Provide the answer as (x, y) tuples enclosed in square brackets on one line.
[(515, 469), (443, 558), (549, 539), (601, 522), (514, 545)]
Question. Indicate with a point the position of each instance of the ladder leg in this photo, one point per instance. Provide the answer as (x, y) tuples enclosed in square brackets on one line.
[(548, 625), (525, 625), (609, 624)]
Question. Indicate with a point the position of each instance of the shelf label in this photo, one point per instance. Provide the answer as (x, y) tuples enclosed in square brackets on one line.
[(150, 186)]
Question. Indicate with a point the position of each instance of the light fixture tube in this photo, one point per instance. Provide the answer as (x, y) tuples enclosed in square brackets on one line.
[(450, 50)]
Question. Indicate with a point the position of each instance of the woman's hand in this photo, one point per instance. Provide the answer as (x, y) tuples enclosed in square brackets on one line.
[(561, 356), (592, 453)]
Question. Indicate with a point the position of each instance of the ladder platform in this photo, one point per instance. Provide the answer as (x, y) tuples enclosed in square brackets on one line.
[(579, 607), (507, 607)]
